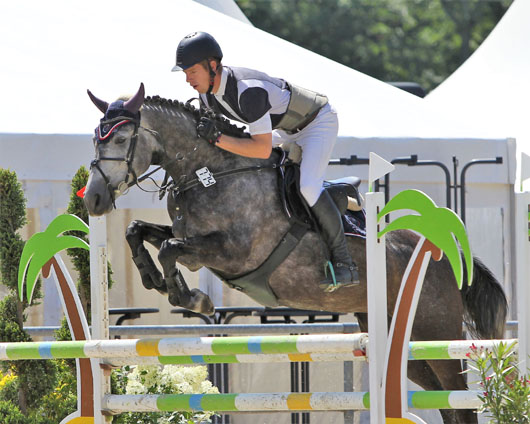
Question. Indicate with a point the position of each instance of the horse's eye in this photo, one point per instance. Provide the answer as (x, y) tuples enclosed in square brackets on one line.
[(120, 139)]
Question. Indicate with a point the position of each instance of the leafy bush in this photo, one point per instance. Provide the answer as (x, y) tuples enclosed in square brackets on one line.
[(60, 402), (10, 414), (505, 393), (34, 378)]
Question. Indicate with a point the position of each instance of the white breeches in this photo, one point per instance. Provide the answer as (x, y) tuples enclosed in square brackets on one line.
[(316, 141)]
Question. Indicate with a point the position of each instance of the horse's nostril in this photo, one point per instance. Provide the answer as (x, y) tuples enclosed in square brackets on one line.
[(96, 200)]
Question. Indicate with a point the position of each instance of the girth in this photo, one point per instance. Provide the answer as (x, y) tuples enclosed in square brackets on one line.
[(255, 284)]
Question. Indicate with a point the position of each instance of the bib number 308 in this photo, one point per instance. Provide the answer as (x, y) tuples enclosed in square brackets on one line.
[(205, 177)]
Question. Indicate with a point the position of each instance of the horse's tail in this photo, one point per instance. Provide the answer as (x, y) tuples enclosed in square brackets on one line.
[(485, 305)]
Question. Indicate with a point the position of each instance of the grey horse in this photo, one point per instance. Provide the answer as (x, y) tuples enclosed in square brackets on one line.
[(231, 227)]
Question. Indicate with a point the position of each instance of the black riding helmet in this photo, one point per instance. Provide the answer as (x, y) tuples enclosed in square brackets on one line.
[(194, 48)]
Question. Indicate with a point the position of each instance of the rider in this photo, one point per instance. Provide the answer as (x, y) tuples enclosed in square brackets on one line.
[(276, 112)]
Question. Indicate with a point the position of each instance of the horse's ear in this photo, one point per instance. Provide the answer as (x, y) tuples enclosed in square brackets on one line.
[(100, 104), (135, 102)]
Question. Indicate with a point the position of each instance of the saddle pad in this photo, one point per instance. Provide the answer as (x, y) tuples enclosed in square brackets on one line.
[(354, 223)]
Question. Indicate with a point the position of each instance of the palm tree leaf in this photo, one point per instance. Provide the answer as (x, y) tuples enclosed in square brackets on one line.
[(408, 199), (450, 220), (66, 222), (34, 244), (41, 256), (441, 226)]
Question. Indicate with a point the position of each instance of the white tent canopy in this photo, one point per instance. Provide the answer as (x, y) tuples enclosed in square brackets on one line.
[(53, 51), (488, 95)]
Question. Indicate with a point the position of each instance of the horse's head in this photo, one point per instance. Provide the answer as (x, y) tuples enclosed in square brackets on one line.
[(124, 151)]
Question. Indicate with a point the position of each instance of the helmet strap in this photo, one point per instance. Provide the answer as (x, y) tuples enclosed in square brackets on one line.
[(212, 78)]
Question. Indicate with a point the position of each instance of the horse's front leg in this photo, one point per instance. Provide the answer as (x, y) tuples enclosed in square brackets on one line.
[(138, 232), (179, 293)]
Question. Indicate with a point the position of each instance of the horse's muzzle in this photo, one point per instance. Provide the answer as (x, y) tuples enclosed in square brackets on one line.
[(97, 202)]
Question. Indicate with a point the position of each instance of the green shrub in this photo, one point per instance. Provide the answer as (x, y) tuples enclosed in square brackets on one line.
[(34, 378), (11, 414), (505, 392), (61, 401)]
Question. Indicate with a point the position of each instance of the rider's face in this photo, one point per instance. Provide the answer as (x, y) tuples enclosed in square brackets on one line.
[(198, 77)]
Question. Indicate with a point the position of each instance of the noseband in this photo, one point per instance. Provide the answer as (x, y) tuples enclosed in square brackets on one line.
[(103, 136)]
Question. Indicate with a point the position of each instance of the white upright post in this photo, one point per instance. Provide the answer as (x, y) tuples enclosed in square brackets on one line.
[(377, 305), (522, 263), (99, 286)]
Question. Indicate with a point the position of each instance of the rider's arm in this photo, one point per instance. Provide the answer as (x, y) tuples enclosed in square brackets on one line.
[(258, 146)]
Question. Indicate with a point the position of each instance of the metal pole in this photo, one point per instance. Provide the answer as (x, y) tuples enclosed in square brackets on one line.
[(497, 160), (447, 177), (455, 185)]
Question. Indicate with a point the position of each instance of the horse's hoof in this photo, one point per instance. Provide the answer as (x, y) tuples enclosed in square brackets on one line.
[(147, 283), (201, 303), (161, 290), (173, 298)]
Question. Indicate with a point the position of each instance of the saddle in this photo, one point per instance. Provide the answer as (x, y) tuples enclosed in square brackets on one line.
[(343, 191)]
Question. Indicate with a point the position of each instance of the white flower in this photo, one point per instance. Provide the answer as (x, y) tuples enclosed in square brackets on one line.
[(176, 379), (135, 388)]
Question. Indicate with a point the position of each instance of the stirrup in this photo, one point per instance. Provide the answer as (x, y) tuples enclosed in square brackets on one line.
[(334, 285)]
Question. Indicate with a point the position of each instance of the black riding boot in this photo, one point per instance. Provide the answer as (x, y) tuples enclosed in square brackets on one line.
[(329, 219)]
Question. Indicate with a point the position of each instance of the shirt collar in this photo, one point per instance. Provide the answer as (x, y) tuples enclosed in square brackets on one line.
[(222, 85)]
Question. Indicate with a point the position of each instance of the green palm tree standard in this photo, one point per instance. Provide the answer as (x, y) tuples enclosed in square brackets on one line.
[(40, 253), (441, 226), (41, 247), (442, 231)]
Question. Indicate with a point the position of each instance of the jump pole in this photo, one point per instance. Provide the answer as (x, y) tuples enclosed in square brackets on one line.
[(376, 289), (278, 402), (99, 295), (377, 294), (522, 263), (238, 349)]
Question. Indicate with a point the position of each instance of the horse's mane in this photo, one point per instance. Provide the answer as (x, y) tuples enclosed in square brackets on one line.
[(223, 124)]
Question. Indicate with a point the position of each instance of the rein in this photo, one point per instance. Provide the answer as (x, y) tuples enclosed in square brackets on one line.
[(219, 175)]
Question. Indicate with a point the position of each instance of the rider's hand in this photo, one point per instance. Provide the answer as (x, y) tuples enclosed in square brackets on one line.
[(206, 129)]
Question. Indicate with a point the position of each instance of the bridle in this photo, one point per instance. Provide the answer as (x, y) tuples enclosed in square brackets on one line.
[(103, 134)]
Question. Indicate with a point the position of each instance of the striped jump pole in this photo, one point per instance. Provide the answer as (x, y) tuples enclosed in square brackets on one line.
[(324, 343), (260, 402), (233, 349), (455, 349)]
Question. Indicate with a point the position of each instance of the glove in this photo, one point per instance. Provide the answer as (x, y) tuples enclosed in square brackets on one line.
[(206, 129)]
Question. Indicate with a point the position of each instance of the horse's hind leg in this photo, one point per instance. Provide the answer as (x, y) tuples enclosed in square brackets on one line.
[(138, 232), (178, 291)]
